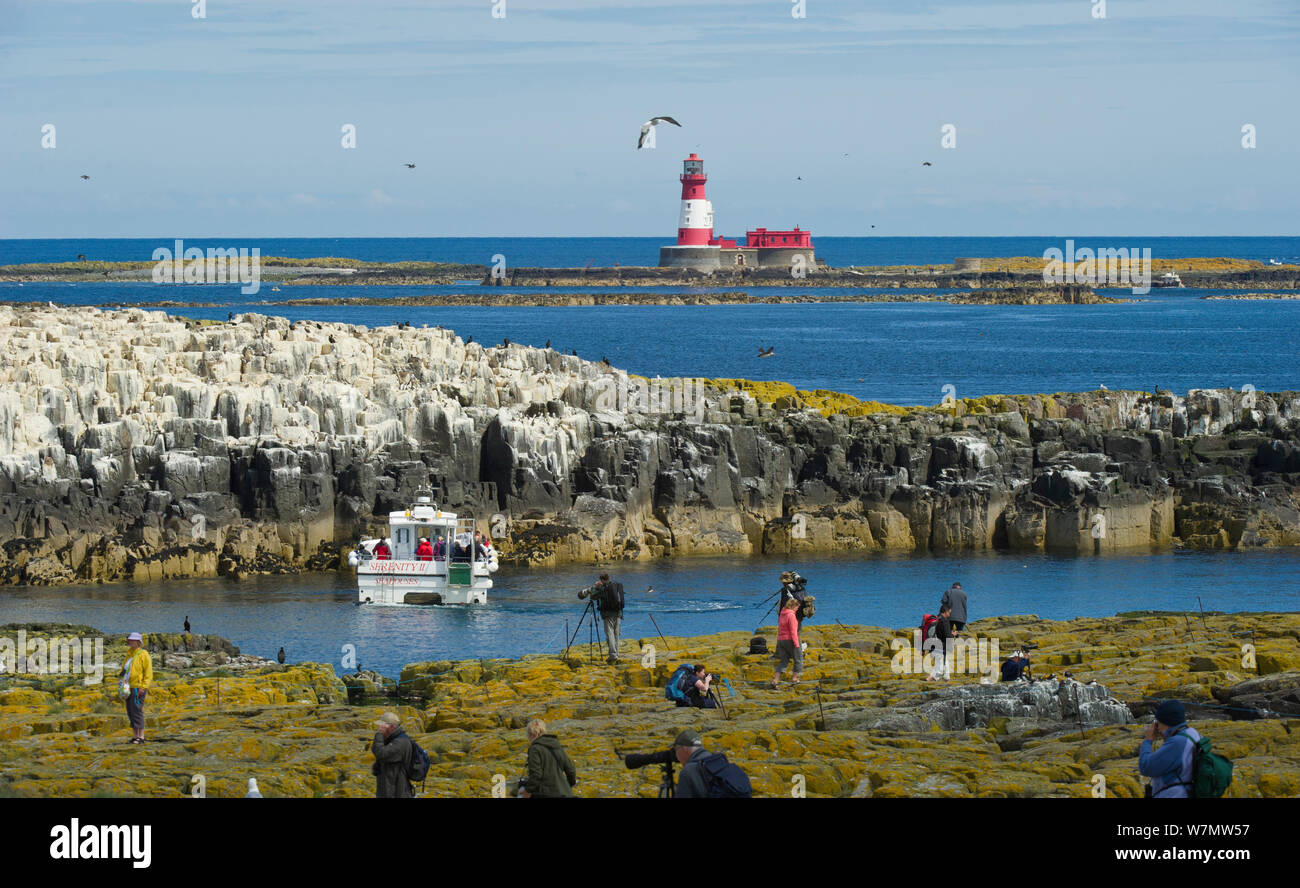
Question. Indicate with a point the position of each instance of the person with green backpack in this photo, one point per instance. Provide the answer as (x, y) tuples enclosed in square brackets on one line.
[(1183, 767)]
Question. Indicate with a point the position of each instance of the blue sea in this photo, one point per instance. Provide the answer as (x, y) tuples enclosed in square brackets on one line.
[(532, 611), (899, 353), (577, 252)]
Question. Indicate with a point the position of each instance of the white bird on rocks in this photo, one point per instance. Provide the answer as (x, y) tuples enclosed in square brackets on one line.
[(253, 792), (653, 122)]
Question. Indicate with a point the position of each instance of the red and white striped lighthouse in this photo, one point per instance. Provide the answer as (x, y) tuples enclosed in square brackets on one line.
[(695, 225)]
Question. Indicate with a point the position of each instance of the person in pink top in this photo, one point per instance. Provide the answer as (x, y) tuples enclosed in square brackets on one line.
[(787, 643)]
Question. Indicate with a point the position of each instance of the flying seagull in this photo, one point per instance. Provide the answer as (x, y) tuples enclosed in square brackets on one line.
[(84, 176), (409, 166), (766, 352), (653, 121)]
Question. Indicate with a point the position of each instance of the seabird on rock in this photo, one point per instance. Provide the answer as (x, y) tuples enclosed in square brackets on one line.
[(253, 791), (471, 339), (548, 343), (279, 658), (187, 624), (653, 121)]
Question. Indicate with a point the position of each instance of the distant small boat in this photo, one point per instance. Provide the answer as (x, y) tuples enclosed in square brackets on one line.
[(1169, 279), (1274, 262)]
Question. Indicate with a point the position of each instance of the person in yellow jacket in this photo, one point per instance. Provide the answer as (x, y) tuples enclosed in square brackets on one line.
[(137, 676)]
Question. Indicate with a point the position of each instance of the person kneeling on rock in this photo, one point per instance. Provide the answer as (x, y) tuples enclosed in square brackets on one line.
[(697, 688)]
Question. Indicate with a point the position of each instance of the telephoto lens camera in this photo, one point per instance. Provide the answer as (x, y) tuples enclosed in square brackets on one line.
[(640, 760)]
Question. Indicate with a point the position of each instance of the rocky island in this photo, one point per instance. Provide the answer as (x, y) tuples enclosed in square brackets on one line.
[(856, 726), (972, 274), (142, 446)]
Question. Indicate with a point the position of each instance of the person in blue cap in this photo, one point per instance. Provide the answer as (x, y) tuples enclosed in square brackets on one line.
[(1169, 767)]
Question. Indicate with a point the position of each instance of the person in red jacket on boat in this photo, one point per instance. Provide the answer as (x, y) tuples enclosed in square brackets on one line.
[(382, 552), (424, 551)]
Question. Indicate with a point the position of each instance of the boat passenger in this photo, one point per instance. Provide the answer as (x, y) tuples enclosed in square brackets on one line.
[(424, 551), (382, 551), (480, 551), (440, 550)]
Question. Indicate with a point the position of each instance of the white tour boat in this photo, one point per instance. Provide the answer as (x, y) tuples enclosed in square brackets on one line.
[(443, 578)]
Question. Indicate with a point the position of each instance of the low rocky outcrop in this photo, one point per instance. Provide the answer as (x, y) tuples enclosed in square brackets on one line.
[(138, 446), (855, 726)]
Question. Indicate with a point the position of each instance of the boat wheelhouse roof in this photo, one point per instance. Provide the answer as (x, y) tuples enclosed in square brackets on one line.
[(424, 511)]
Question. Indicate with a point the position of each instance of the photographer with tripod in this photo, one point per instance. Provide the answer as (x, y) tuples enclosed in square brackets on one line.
[(607, 597), (705, 775)]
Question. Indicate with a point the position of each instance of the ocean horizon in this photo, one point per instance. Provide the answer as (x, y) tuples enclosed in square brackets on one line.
[(577, 252)]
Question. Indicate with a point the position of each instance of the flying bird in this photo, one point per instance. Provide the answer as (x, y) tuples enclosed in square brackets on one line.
[(766, 352), (652, 122), (926, 163), (84, 176), (409, 166)]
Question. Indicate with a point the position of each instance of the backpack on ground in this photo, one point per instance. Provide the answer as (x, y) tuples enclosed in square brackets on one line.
[(1211, 772), (675, 691), (612, 598), (418, 769), (929, 624), (758, 645), (725, 780)]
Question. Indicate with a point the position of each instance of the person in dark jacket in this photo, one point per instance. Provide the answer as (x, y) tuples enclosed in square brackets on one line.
[(955, 598), (608, 596), (692, 783), (943, 651), (393, 751), (551, 774), (1171, 766)]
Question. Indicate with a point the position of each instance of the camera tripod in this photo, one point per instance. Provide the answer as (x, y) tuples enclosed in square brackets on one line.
[(666, 787), (589, 616)]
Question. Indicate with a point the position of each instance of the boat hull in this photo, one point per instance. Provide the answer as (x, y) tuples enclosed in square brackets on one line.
[(421, 583)]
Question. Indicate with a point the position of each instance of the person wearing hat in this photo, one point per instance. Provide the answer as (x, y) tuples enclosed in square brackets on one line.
[(689, 749), (383, 551), (393, 752), (137, 675), (793, 586), (424, 551), (1170, 767)]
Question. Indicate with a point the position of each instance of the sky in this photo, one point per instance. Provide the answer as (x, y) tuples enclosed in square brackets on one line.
[(525, 124)]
